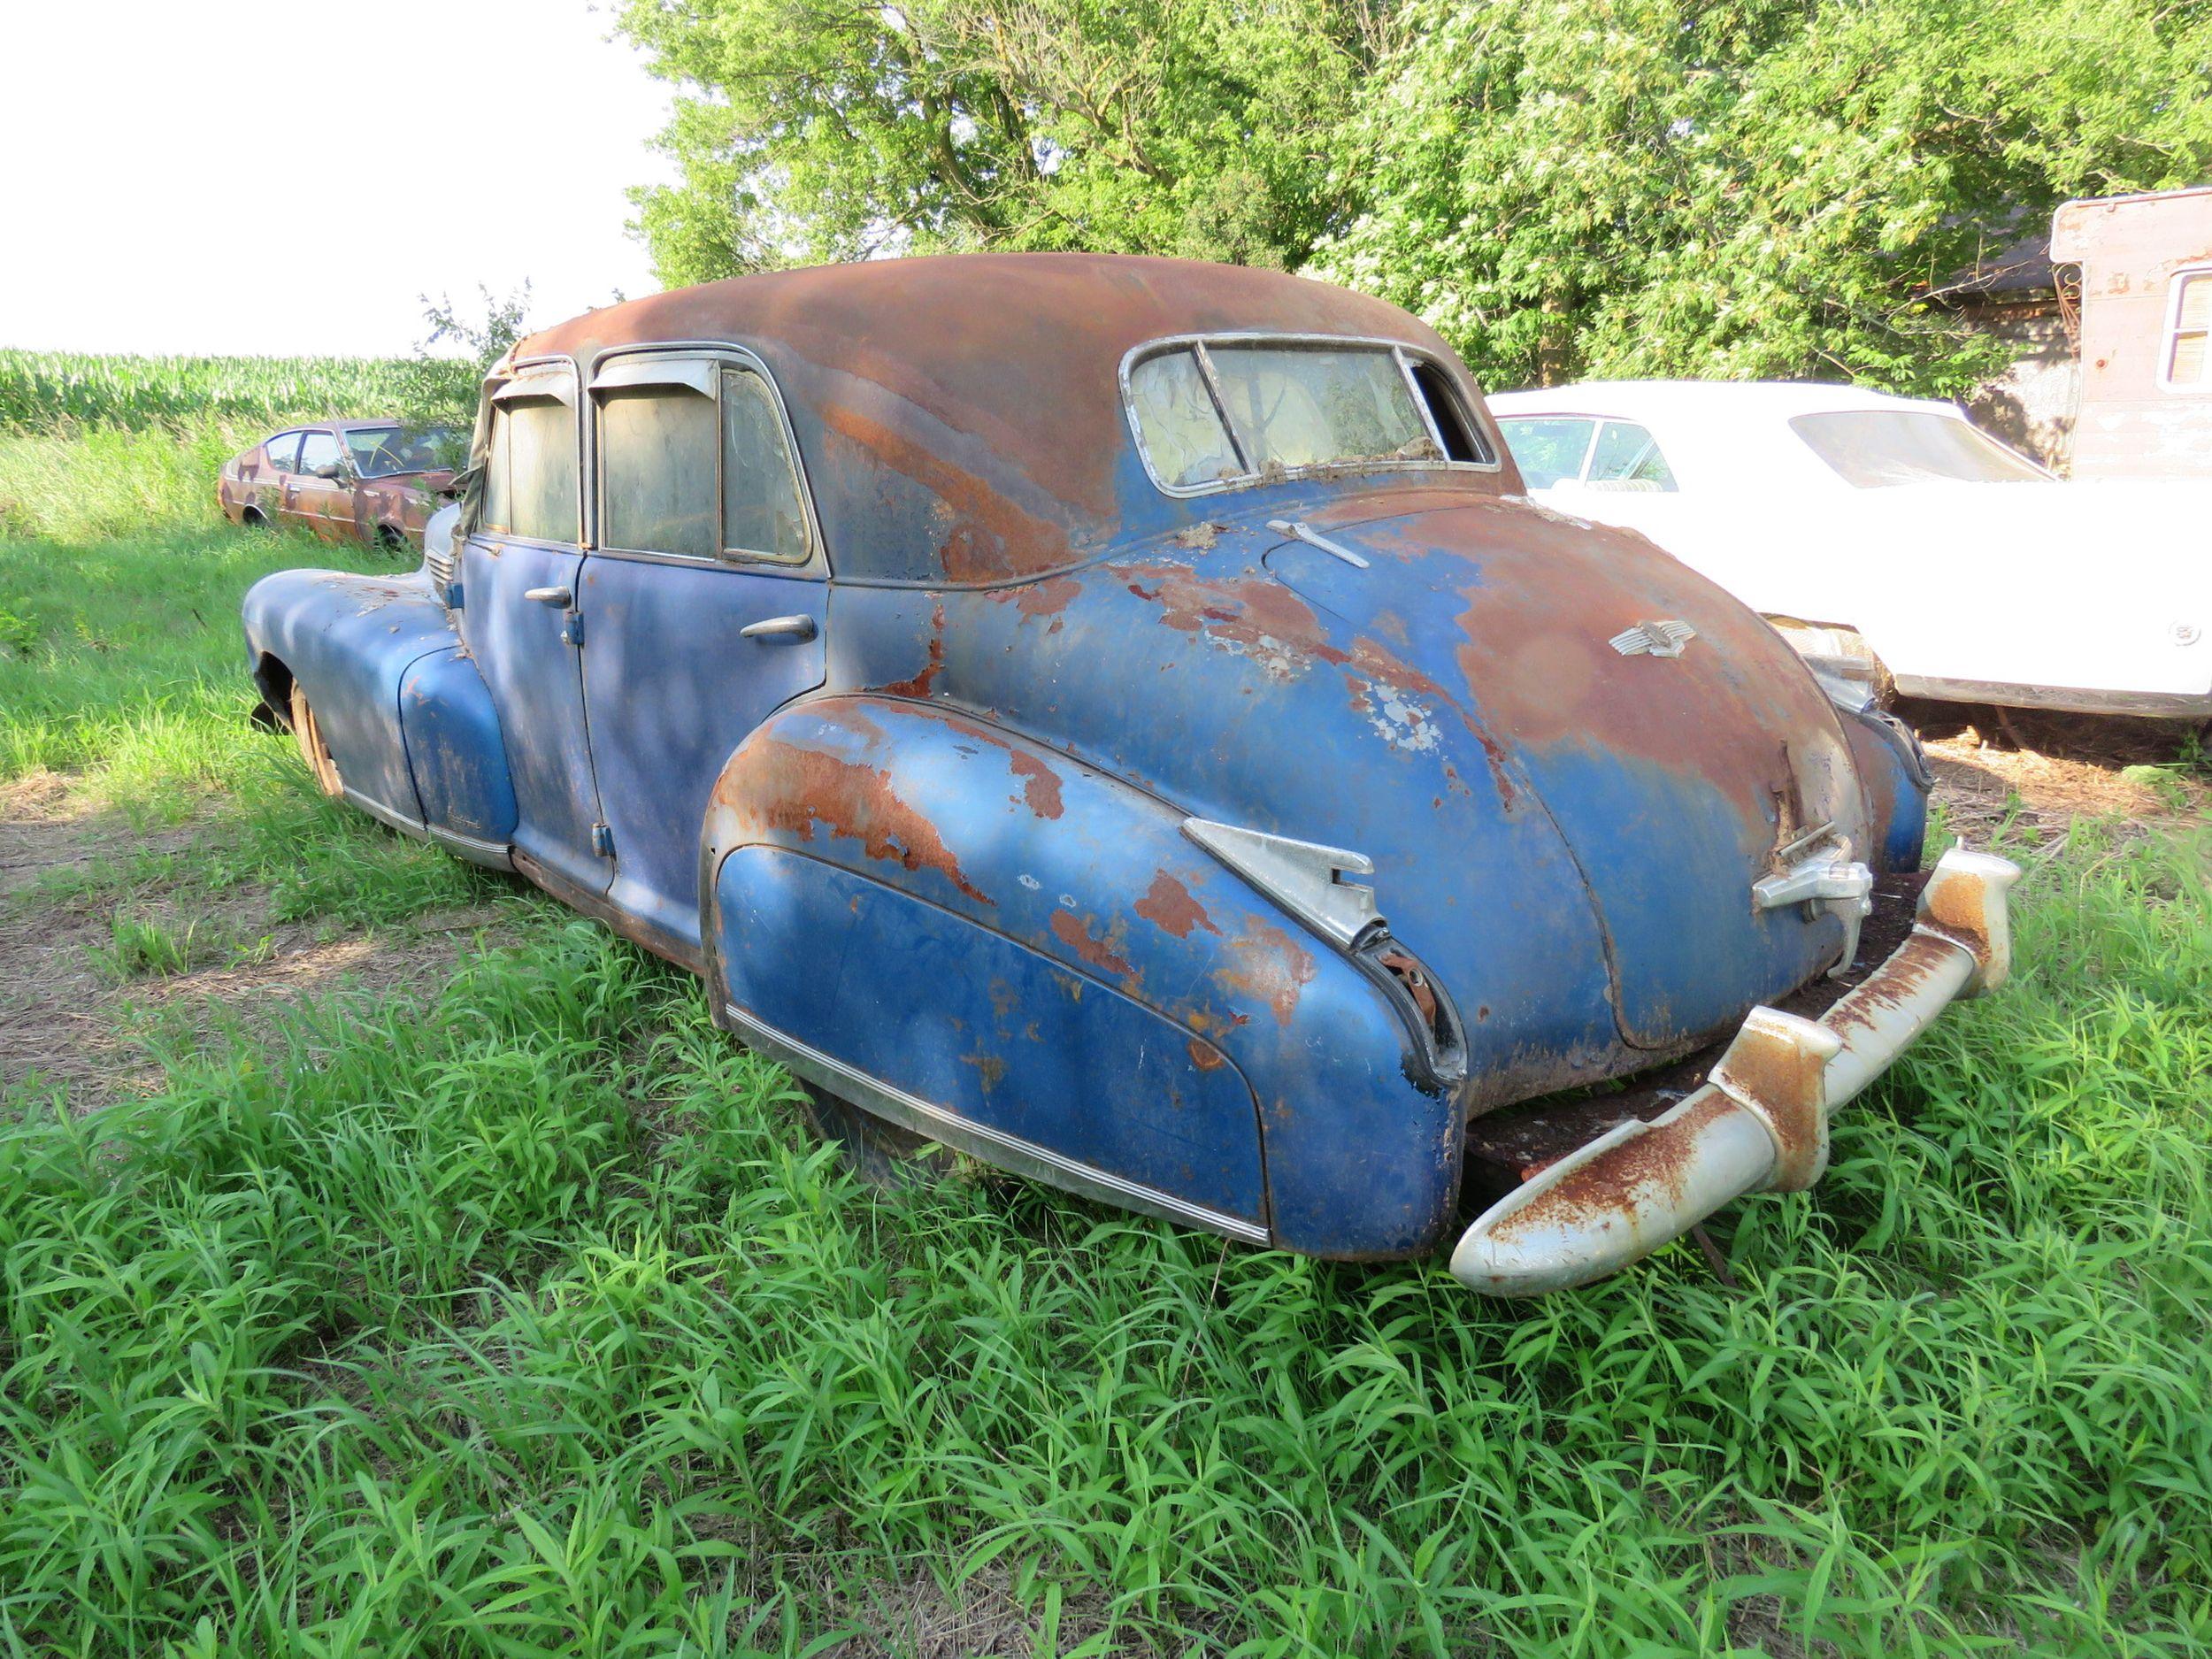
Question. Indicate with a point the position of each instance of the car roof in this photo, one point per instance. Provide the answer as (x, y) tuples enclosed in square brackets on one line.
[(960, 416), (1651, 401)]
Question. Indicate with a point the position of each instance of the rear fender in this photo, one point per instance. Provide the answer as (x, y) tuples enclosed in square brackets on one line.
[(1894, 779), (938, 908)]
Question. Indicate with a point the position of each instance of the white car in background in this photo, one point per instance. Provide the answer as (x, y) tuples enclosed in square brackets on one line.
[(1894, 542)]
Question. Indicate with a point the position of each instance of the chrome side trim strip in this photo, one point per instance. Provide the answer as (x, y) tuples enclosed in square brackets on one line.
[(491, 854), (994, 1146)]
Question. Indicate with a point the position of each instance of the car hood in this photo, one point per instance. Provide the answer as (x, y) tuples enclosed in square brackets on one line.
[(1673, 765)]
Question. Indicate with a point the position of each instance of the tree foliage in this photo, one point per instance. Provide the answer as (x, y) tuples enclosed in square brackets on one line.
[(1627, 186), (1776, 189), (815, 129)]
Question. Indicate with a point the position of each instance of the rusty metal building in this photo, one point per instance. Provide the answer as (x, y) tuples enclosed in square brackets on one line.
[(2143, 328)]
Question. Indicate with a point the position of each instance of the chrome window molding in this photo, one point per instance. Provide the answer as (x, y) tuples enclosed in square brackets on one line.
[(994, 1146), (720, 353), (1405, 356)]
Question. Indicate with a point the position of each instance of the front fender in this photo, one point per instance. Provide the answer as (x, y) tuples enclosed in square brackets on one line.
[(348, 642), (1035, 948)]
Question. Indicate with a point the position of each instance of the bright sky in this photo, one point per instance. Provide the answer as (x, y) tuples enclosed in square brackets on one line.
[(287, 176)]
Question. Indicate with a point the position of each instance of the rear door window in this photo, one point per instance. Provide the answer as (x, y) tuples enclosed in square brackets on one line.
[(657, 458), (1548, 448)]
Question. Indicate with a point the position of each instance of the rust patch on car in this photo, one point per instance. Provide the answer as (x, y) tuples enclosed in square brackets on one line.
[(1654, 1161), (1098, 953), (792, 789), (989, 537), (1047, 598), (1205, 1056), (1271, 967), (1040, 784), (919, 686), (1168, 905)]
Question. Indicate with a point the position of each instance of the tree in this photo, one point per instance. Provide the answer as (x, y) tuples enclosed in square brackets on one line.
[(1772, 189), (817, 129), (1568, 188)]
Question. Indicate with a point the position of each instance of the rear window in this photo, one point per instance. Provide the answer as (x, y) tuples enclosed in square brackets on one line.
[(1212, 414), (1877, 449)]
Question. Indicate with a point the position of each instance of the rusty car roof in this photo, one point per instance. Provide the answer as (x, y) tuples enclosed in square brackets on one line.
[(960, 416)]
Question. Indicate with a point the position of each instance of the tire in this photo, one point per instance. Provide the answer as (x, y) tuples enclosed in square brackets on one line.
[(254, 519), (389, 540), (308, 733), (882, 1154)]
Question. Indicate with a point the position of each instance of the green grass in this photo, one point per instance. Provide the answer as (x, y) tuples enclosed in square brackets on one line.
[(516, 1314)]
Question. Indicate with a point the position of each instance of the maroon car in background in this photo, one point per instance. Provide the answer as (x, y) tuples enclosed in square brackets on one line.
[(359, 480)]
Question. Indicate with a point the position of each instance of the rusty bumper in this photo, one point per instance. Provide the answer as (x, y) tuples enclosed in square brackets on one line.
[(1760, 1122)]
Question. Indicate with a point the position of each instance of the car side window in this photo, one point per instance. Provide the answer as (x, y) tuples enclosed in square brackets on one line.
[(761, 514), (530, 474), (1548, 448), (283, 451), (656, 467), (318, 450), (1627, 459)]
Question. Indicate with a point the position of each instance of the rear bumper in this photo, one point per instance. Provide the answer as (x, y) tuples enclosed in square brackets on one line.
[(1760, 1122)]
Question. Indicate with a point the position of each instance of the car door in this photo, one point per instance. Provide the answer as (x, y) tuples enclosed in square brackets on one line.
[(271, 486), (321, 497), (703, 608), (520, 571)]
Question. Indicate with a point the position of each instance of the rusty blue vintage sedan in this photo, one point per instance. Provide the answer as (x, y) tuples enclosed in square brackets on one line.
[(1120, 718)]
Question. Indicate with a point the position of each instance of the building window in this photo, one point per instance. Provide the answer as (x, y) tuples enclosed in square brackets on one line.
[(2188, 365)]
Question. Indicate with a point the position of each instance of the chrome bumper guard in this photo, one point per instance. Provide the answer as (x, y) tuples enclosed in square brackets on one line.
[(1760, 1121)]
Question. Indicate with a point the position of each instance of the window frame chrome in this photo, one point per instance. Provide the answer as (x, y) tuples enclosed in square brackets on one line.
[(1402, 353), (719, 356)]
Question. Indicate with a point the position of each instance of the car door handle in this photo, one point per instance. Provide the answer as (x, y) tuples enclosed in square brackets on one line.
[(801, 627), (548, 595)]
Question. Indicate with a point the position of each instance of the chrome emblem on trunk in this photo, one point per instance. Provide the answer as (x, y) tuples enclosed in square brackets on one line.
[(1653, 639)]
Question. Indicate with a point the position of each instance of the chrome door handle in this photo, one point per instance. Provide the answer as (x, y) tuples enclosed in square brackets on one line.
[(547, 596), (801, 627)]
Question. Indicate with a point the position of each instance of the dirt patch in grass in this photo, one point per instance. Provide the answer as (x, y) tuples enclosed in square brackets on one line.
[(83, 978), (2057, 768)]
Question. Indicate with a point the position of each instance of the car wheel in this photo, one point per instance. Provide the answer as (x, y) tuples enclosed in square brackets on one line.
[(308, 733), (254, 519), (389, 540), (880, 1152)]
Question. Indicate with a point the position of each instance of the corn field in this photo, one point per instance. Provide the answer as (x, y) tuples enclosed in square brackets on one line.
[(62, 391)]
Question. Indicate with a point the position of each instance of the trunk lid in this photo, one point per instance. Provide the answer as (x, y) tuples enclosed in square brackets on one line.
[(1676, 766)]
